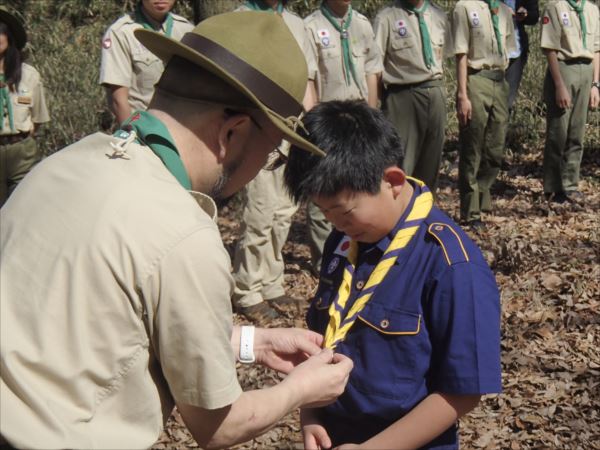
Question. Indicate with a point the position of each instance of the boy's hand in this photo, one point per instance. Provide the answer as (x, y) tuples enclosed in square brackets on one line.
[(594, 97), (282, 349), (563, 98), (313, 433), (464, 110)]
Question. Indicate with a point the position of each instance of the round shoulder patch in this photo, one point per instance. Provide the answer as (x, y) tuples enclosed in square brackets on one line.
[(106, 43)]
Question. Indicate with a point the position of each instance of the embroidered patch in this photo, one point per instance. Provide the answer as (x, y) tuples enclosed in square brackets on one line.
[(106, 43), (546, 20), (402, 31), (343, 247), (564, 18), (475, 21), (24, 100), (323, 34), (325, 41), (335, 262)]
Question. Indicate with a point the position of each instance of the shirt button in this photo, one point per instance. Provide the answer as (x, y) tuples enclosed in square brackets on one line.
[(384, 323), (360, 284)]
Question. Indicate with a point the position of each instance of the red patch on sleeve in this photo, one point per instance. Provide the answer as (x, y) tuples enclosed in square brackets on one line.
[(345, 246), (106, 43), (545, 20)]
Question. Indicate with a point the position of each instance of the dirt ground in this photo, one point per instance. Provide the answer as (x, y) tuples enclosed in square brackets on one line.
[(547, 264)]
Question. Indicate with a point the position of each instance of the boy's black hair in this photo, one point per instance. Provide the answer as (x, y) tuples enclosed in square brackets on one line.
[(12, 60), (359, 144)]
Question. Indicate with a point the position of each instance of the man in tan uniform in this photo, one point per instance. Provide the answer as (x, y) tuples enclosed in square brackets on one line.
[(22, 106), (258, 266), (349, 67), (128, 70), (483, 34), (571, 42), (115, 292), (415, 37)]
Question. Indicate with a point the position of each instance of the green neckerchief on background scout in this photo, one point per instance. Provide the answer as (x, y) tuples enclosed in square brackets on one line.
[(260, 5), (345, 39), (5, 104), (338, 326), (154, 134), (425, 37), (494, 6), (579, 10), (141, 18)]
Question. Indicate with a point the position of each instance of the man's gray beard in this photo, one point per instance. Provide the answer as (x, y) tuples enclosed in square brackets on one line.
[(217, 189)]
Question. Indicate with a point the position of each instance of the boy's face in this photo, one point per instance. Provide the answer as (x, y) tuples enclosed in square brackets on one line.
[(362, 216)]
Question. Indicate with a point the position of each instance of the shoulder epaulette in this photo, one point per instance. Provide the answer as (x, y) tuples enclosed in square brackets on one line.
[(359, 15), (450, 241), (126, 19)]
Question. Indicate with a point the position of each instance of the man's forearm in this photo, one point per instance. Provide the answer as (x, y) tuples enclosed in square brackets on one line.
[(461, 75), (118, 102), (430, 418), (373, 88), (596, 65)]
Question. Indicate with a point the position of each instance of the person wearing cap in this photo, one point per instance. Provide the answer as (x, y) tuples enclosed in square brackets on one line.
[(128, 71), (22, 106), (571, 42), (415, 37), (349, 68), (267, 210), (116, 286), (483, 35)]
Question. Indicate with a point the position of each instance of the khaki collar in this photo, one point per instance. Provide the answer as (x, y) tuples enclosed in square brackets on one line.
[(206, 203)]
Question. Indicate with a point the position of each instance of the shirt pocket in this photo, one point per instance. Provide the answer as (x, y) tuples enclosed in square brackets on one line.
[(389, 345), (147, 68), (22, 107), (318, 313)]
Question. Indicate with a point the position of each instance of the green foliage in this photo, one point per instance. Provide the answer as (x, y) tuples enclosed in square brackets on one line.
[(65, 42)]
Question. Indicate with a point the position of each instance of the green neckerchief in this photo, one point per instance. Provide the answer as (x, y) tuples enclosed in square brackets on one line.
[(260, 5), (494, 5), (154, 134), (141, 18), (345, 39), (579, 10), (425, 38), (5, 104)]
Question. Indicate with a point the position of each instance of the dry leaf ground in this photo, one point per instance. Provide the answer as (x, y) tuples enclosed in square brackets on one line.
[(547, 264)]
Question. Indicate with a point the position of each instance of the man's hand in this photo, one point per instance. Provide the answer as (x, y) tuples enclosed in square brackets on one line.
[(563, 98), (320, 379), (282, 349), (594, 97), (313, 433), (464, 110)]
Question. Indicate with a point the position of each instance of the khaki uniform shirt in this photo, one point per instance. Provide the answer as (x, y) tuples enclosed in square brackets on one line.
[(474, 34), (561, 30), (296, 26), (126, 62), (28, 103), (399, 38), (326, 44), (115, 300)]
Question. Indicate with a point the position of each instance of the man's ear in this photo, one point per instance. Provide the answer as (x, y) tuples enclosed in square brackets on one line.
[(233, 133), (395, 177)]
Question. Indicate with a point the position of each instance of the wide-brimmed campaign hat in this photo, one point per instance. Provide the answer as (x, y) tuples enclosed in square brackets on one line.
[(256, 54), (15, 26)]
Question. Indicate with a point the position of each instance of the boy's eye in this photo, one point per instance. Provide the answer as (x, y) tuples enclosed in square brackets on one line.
[(349, 211)]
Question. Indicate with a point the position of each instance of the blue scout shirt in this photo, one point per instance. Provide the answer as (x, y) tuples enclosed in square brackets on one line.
[(432, 325)]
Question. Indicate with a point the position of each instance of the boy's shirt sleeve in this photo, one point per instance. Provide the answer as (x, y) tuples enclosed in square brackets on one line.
[(460, 30), (551, 30), (464, 324)]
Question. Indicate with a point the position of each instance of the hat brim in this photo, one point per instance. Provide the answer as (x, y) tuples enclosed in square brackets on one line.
[(165, 47), (15, 27)]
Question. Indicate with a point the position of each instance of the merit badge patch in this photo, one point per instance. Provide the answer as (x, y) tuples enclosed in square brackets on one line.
[(564, 18), (343, 247), (335, 262), (475, 21), (106, 43)]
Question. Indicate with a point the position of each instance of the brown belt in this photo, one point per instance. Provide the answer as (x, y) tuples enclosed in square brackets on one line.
[(7, 139), (421, 85)]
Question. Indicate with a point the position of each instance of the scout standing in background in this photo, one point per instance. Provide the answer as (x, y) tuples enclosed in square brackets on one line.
[(267, 211), (571, 42), (415, 36), (128, 70), (22, 106), (350, 65), (483, 39)]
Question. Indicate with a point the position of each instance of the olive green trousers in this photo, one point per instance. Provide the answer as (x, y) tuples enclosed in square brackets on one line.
[(16, 160)]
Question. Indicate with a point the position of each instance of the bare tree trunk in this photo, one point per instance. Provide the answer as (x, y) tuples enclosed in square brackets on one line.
[(209, 8)]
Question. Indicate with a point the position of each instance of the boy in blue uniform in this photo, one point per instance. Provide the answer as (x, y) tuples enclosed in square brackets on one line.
[(403, 292)]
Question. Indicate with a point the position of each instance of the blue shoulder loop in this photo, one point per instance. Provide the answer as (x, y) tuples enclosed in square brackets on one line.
[(450, 241)]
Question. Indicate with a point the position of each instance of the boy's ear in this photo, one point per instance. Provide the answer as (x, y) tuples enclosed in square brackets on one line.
[(395, 177)]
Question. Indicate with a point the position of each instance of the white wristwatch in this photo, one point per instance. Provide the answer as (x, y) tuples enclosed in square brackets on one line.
[(247, 345)]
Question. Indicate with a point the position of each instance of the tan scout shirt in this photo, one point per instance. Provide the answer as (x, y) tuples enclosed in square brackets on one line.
[(399, 38), (561, 30), (474, 35), (115, 300), (28, 103), (297, 28), (126, 62), (326, 44)]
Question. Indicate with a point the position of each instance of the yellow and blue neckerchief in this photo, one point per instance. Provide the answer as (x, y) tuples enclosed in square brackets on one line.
[(153, 133), (341, 321)]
